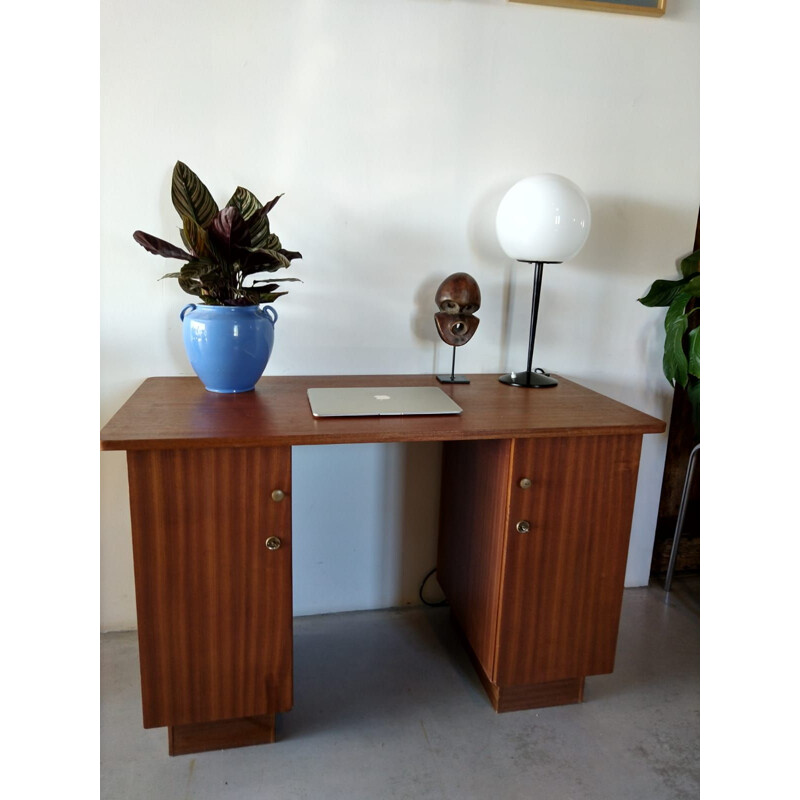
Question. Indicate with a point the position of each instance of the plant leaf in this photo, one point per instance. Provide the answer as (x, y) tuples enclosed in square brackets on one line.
[(271, 242), (258, 229), (675, 363), (204, 278), (159, 247), (676, 368), (245, 201), (190, 283), (269, 206), (290, 254), (663, 292), (690, 264), (275, 281), (694, 352), (258, 260), (196, 237), (200, 269), (257, 296), (260, 235), (228, 229), (190, 196), (692, 287)]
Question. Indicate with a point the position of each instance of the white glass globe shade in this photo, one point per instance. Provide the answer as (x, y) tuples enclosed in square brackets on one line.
[(543, 218)]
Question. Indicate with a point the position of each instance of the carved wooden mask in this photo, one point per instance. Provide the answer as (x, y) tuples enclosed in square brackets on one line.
[(458, 298)]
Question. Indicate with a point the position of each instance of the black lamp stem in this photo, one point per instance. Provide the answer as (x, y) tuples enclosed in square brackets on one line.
[(537, 288), (531, 379)]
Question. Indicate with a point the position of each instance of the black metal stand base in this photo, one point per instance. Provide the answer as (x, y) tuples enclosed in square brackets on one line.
[(528, 380), (452, 377)]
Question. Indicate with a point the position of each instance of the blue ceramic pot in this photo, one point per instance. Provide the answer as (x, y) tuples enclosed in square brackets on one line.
[(228, 346)]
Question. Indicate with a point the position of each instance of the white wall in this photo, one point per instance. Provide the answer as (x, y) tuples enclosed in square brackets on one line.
[(394, 128)]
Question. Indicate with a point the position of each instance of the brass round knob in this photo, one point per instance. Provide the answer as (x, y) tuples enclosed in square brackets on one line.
[(523, 526), (278, 495), (273, 543), (525, 483)]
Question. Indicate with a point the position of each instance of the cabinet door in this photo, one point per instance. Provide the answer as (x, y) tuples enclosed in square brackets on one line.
[(214, 604), (563, 578)]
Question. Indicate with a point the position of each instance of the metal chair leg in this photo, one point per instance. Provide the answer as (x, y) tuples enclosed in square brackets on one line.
[(693, 456)]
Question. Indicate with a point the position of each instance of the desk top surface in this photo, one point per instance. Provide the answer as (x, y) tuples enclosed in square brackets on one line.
[(167, 413)]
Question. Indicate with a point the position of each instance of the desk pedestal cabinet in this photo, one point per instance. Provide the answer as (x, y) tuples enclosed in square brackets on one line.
[(537, 497), (534, 565), (213, 601)]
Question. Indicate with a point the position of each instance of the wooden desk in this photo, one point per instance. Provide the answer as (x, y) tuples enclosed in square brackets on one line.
[(210, 483)]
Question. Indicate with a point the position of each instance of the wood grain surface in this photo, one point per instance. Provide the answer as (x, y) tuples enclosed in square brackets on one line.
[(222, 734), (539, 609), (562, 583), (169, 413), (473, 511), (214, 605)]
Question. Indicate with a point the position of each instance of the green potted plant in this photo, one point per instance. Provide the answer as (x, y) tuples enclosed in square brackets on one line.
[(681, 297), (229, 337)]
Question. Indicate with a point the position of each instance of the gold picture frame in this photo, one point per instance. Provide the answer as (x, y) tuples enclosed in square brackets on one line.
[(650, 8)]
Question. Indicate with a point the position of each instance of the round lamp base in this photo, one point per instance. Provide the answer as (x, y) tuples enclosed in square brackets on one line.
[(528, 380)]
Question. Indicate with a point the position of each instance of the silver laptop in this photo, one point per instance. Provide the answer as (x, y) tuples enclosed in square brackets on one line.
[(380, 401)]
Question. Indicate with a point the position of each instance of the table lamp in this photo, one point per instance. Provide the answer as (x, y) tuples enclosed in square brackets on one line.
[(544, 219)]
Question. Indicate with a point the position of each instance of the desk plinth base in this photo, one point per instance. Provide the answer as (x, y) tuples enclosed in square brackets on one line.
[(519, 698), (221, 734), (534, 695)]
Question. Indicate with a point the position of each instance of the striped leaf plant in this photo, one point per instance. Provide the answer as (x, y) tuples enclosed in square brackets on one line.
[(226, 249)]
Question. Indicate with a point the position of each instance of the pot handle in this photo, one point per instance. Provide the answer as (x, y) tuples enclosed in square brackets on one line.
[(186, 308), (274, 318)]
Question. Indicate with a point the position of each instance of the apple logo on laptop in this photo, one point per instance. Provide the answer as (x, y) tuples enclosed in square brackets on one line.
[(382, 397)]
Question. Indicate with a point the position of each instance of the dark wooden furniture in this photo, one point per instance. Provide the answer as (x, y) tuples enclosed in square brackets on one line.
[(537, 497), (682, 439)]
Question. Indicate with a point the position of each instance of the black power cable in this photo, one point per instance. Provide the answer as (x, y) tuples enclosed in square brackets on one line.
[(422, 587)]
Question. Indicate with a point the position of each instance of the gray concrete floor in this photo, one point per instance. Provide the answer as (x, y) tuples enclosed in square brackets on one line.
[(387, 706)]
